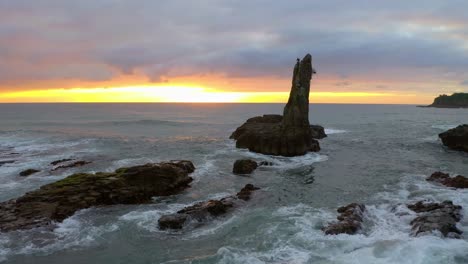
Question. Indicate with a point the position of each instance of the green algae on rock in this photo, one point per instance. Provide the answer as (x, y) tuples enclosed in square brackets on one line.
[(56, 201)]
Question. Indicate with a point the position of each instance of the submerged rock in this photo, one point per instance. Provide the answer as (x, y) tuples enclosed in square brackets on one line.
[(349, 221), (55, 162), (72, 165), (456, 138), (3, 162), (56, 201), (28, 172), (445, 179), (290, 134), (442, 217), (244, 166), (204, 210)]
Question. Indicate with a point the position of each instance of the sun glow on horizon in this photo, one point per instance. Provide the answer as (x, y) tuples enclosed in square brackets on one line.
[(183, 94)]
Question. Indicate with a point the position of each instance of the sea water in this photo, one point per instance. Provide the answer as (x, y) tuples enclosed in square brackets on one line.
[(378, 155)]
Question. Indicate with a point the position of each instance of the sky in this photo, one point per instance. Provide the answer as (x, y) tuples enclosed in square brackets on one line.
[(375, 51)]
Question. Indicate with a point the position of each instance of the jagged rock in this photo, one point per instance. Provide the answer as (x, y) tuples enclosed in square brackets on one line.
[(349, 220), (56, 201), (456, 138), (28, 172), (244, 166), (204, 210), (246, 192), (290, 134), (59, 161), (72, 165), (442, 217), (445, 179)]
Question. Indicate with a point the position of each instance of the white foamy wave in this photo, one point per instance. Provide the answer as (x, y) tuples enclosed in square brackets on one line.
[(331, 131), (288, 162), (294, 233), (147, 219), (73, 233), (444, 127)]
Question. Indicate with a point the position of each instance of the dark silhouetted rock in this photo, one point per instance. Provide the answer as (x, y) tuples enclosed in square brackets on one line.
[(244, 166), (442, 217), (246, 192), (72, 165), (318, 132), (445, 179), (59, 161), (290, 134), (28, 172), (456, 100), (202, 211), (56, 201), (456, 138), (349, 221)]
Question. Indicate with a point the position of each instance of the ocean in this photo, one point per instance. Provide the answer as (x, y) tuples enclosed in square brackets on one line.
[(378, 155)]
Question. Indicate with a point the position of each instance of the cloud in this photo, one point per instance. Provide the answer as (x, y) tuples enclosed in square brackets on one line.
[(101, 40), (464, 83)]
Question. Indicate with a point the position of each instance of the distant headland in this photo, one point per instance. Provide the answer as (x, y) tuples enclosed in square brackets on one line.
[(456, 100)]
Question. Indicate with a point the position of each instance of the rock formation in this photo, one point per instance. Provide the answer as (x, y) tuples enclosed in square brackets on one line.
[(349, 220), (456, 100), (445, 179), (202, 211), (442, 217), (56, 201), (290, 134), (244, 166), (456, 138), (28, 172)]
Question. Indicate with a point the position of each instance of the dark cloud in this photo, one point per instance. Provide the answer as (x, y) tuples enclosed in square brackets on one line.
[(97, 40)]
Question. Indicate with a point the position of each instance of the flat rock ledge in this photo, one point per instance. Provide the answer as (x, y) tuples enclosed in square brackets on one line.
[(56, 201), (289, 134), (441, 217), (458, 181), (349, 220), (456, 138), (200, 212)]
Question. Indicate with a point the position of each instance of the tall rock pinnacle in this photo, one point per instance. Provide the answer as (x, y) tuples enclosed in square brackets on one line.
[(288, 135), (296, 111)]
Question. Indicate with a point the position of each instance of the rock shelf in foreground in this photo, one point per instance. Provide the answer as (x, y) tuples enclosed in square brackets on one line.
[(56, 201)]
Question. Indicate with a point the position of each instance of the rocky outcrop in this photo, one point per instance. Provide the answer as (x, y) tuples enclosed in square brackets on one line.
[(442, 217), (244, 166), (290, 134), (28, 172), (445, 179), (349, 221), (57, 201), (456, 100), (456, 138), (72, 165), (202, 211)]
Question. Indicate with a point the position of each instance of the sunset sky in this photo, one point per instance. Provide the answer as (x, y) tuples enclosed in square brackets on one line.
[(231, 51)]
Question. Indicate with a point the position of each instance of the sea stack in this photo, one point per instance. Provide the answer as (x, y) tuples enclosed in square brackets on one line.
[(290, 134)]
